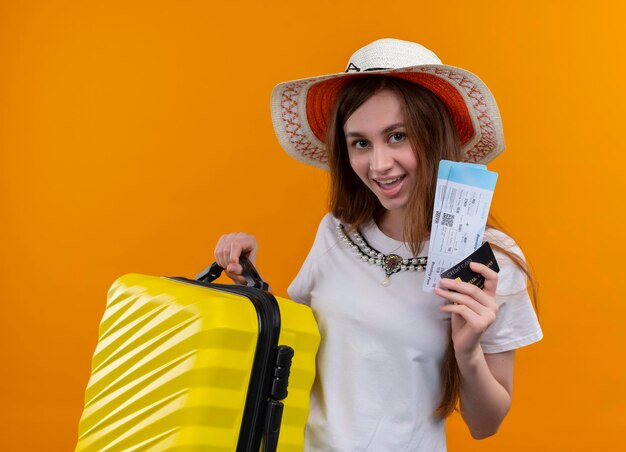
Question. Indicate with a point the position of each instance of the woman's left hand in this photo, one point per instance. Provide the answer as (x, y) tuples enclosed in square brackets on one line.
[(472, 309)]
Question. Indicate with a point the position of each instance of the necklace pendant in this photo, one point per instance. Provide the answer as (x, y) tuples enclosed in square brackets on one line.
[(392, 263), (387, 281)]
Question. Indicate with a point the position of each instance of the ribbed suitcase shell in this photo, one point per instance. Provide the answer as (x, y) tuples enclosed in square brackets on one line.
[(172, 368)]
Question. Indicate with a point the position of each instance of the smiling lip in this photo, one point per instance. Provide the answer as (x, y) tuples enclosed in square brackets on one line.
[(390, 186)]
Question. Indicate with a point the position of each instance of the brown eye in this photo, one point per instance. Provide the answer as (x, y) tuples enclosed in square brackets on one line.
[(397, 137)]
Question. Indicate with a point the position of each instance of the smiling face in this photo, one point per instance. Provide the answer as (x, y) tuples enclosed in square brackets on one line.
[(380, 151)]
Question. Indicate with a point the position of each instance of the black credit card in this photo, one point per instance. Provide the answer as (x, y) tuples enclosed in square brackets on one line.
[(463, 272)]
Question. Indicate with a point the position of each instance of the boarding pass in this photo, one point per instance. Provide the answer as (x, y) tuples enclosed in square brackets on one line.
[(462, 200)]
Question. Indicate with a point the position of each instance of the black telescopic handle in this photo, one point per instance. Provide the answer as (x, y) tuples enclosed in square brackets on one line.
[(253, 279)]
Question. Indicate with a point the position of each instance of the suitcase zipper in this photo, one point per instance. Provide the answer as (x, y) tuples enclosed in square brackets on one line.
[(259, 388)]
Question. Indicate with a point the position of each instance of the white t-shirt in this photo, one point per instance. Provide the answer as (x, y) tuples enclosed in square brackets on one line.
[(378, 365)]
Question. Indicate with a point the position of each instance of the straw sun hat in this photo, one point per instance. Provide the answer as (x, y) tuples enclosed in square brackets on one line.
[(301, 109)]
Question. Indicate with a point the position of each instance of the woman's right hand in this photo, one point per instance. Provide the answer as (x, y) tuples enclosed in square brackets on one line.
[(228, 249)]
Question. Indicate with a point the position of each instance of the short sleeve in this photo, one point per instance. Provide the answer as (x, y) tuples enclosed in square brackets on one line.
[(516, 324), (301, 287)]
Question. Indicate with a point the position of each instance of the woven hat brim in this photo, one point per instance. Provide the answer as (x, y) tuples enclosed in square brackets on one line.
[(301, 110)]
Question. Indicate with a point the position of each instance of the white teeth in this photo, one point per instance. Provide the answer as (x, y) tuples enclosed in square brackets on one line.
[(389, 181)]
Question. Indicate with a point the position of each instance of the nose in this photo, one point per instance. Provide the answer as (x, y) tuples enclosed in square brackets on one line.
[(381, 160)]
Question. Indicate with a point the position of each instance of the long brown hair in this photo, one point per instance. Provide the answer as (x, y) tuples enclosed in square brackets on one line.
[(433, 138)]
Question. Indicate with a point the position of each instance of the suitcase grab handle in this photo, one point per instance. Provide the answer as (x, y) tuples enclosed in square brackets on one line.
[(253, 279)]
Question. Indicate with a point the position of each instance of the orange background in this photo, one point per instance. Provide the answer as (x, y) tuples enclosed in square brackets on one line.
[(134, 133)]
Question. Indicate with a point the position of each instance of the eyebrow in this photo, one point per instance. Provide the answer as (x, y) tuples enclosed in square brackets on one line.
[(385, 131)]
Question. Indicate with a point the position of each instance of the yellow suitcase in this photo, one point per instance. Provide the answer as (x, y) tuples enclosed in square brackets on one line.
[(189, 365)]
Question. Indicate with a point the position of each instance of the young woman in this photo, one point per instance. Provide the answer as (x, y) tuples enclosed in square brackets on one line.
[(394, 360)]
